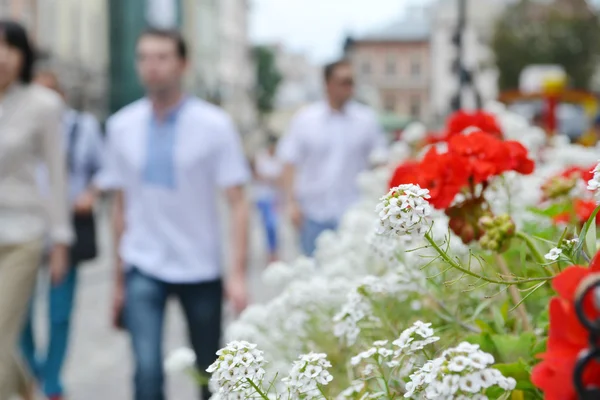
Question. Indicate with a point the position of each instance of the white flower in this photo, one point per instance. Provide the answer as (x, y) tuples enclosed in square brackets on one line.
[(355, 388), (594, 183), (553, 254), (459, 363), (415, 338), (414, 133), (461, 372), (404, 211), (238, 363), (180, 360), (379, 350), (471, 383), (307, 374)]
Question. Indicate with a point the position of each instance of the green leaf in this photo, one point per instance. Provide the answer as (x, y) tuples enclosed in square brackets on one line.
[(482, 306), (520, 372), (552, 211), (586, 228), (539, 347), (504, 310), (484, 326), (499, 320), (497, 393), (590, 240), (513, 348), (485, 343)]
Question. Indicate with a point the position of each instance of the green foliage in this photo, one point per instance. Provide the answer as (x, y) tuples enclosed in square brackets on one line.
[(551, 38), (515, 357), (268, 79)]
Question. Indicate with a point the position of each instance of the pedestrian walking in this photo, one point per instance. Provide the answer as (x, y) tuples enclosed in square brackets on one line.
[(167, 156), (30, 136), (83, 150), (327, 146), (268, 171)]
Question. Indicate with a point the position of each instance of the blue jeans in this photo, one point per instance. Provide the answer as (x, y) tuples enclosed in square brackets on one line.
[(47, 369), (269, 218), (310, 231), (145, 301)]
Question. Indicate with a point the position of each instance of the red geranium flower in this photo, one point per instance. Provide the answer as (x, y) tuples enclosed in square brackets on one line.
[(578, 172), (460, 121), (484, 154), (444, 175), (518, 160), (583, 211), (567, 337), (405, 173)]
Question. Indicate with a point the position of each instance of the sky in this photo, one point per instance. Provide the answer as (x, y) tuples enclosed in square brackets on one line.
[(318, 27)]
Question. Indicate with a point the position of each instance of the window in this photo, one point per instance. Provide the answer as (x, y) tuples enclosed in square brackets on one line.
[(390, 66), (390, 103), (415, 68), (415, 107), (365, 68)]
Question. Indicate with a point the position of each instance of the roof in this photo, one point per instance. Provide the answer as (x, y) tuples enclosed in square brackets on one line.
[(414, 26)]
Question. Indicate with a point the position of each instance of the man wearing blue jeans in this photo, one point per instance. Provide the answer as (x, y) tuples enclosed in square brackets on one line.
[(167, 156), (327, 146), (83, 139)]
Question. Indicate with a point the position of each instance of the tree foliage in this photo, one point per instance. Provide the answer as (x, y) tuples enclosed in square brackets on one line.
[(268, 79), (527, 34)]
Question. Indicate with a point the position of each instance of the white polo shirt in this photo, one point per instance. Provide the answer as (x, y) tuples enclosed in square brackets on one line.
[(329, 150), (172, 232)]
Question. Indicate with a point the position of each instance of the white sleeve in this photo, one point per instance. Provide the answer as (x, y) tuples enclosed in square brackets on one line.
[(231, 165), (110, 176), (378, 145), (54, 160), (290, 148)]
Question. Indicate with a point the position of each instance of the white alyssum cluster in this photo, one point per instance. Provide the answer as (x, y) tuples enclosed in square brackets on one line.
[(404, 211), (414, 133), (308, 374), (379, 351), (355, 388), (180, 360), (553, 254), (237, 364), (400, 283), (415, 339), (594, 183), (461, 372)]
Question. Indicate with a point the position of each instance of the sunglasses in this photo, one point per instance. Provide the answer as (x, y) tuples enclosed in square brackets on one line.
[(346, 82)]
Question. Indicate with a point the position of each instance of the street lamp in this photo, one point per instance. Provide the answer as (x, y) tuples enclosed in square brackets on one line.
[(459, 68)]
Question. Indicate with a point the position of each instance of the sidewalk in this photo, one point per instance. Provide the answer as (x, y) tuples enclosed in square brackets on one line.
[(99, 365)]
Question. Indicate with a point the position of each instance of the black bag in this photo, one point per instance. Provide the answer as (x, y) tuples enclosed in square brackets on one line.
[(84, 247)]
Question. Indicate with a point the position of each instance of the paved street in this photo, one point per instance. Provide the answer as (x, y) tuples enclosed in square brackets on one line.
[(99, 365)]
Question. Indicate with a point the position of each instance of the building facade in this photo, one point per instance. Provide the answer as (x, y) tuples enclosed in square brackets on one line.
[(71, 37), (301, 83), (236, 66), (222, 69), (393, 66), (477, 53)]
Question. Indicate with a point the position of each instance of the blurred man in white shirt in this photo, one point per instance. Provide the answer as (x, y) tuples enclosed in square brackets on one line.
[(327, 146), (168, 156)]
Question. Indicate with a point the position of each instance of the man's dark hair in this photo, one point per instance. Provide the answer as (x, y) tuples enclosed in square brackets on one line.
[(330, 68), (15, 35), (171, 34)]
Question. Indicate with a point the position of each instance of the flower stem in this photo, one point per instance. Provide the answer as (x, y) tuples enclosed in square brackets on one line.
[(515, 295), (532, 247), (462, 269), (385, 382), (264, 396)]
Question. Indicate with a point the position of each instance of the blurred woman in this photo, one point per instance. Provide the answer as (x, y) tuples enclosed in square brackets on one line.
[(30, 136), (267, 176)]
